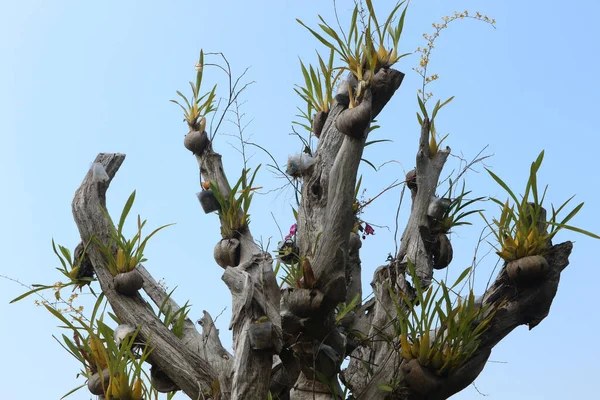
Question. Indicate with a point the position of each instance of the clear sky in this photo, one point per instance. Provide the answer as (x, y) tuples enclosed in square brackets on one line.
[(78, 78)]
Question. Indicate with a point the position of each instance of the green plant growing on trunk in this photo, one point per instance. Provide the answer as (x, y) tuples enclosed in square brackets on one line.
[(361, 55), (234, 211), (522, 229), (129, 252), (445, 333), (196, 110), (94, 346)]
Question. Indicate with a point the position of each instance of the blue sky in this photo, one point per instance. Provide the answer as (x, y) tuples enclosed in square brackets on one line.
[(78, 78)]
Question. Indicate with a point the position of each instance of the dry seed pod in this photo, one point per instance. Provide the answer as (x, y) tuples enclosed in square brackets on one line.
[(527, 269), (227, 252), (98, 383), (128, 283), (196, 142)]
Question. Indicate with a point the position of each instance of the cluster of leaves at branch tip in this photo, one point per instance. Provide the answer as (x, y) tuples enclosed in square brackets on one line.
[(444, 333), (123, 255), (360, 53), (196, 110), (113, 366), (522, 229), (234, 211)]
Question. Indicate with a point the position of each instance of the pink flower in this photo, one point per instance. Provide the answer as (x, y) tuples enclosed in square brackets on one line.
[(368, 230), (292, 231)]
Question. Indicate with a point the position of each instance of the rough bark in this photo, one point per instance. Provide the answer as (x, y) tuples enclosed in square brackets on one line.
[(185, 367), (255, 296), (325, 220), (515, 304), (414, 245)]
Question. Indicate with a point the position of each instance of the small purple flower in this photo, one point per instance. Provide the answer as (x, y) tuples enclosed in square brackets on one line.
[(292, 231), (368, 230)]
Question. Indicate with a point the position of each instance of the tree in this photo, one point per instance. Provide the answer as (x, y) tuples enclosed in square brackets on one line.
[(306, 328)]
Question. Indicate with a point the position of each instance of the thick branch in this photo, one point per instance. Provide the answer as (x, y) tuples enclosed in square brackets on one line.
[(187, 369), (515, 304), (428, 171), (207, 345), (255, 296)]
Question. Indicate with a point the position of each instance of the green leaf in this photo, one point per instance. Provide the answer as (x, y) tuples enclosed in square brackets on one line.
[(462, 276), (574, 229), (73, 390), (385, 388), (29, 293), (319, 37), (504, 186), (422, 106), (357, 187), (369, 163), (377, 141), (125, 211)]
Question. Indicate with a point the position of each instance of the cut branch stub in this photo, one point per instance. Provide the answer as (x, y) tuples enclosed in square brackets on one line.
[(416, 245), (302, 302), (383, 85)]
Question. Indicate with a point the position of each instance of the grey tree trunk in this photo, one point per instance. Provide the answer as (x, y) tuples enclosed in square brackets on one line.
[(306, 347)]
